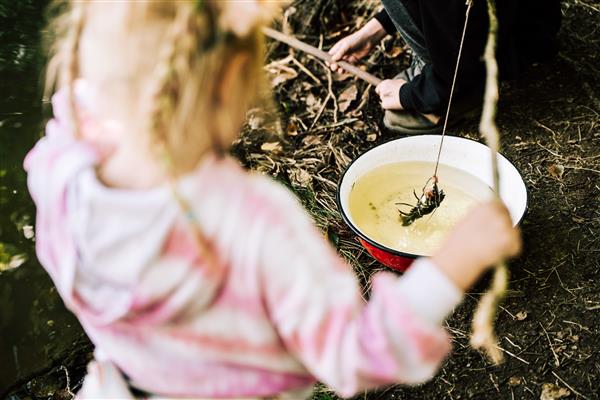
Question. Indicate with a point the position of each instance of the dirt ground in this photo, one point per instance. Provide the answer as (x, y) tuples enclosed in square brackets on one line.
[(549, 326)]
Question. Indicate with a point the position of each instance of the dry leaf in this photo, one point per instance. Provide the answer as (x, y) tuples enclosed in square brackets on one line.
[(255, 120), (514, 381), (573, 338), (280, 74), (28, 231), (15, 262), (556, 171), (300, 176), (521, 315), (347, 97), (342, 76), (395, 52), (292, 129), (313, 103), (311, 140), (552, 392), (306, 86), (271, 147), (359, 126)]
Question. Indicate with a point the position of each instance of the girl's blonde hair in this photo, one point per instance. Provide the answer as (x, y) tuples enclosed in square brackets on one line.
[(180, 99)]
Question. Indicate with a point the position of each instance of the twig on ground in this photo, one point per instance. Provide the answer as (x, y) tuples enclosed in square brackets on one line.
[(512, 355), (307, 71), (337, 124), (569, 386), (363, 100), (556, 360), (62, 367), (320, 111), (586, 5), (330, 90), (513, 343)]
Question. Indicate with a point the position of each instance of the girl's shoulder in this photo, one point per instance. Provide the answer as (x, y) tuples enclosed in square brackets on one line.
[(228, 174), (227, 182)]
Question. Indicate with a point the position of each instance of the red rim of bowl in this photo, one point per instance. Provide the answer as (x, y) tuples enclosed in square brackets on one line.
[(381, 246)]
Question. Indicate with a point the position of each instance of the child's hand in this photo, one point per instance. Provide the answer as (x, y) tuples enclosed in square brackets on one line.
[(484, 237), (354, 47), (389, 93)]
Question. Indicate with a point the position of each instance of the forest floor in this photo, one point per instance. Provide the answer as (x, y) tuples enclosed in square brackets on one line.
[(549, 326)]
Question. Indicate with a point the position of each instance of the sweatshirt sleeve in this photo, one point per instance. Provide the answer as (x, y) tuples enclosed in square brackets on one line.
[(51, 166), (442, 23), (348, 344), (385, 21)]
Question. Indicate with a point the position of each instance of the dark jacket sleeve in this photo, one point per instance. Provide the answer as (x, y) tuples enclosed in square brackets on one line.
[(442, 22), (526, 33), (385, 20)]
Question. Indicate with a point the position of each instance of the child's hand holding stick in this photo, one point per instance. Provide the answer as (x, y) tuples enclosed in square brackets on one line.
[(353, 69), (320, 54)]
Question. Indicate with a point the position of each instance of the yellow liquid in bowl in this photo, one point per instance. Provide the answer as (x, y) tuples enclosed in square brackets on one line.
[(374, 209)]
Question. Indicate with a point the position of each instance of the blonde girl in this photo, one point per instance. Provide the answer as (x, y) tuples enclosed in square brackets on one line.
[(192, 277)]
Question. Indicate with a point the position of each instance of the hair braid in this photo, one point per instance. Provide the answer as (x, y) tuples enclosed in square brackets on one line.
[(176, 59), (69, 70)]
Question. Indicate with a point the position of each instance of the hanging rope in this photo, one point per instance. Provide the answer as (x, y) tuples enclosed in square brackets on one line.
[(432, 196), (483, 337), (462, 41)]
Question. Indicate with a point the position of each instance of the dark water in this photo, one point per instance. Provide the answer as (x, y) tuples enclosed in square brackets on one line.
[(36, 332)]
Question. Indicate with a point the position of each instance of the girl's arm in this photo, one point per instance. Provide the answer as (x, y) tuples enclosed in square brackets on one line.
[(350, 345)]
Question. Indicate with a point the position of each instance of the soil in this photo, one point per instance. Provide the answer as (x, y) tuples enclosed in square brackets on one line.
[(549, 325)]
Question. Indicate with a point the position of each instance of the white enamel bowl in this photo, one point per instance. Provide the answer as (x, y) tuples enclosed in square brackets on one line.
[(463, 154)]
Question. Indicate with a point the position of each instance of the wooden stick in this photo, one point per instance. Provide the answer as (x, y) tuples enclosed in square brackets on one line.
[(297, 44), (483, 337), (320, 54)]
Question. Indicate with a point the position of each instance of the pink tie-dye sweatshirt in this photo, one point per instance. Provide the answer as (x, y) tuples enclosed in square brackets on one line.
[(283, 311)]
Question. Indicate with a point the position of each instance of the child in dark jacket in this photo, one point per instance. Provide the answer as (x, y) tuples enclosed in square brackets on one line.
[(433, 30)]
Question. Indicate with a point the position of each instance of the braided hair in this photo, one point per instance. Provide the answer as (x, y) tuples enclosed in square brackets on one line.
[(181, 98)]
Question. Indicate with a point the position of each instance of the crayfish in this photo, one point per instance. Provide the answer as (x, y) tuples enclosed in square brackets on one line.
[(430, 199)]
